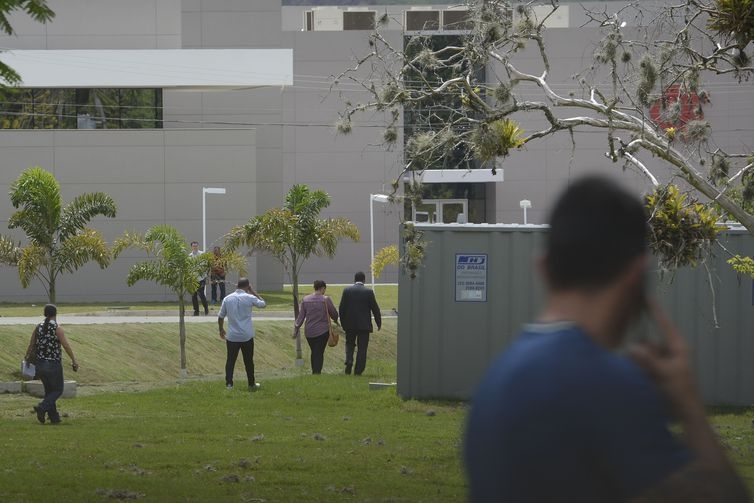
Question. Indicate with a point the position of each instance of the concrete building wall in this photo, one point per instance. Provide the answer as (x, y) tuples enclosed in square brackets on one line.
[(154, 176), (296, 141)]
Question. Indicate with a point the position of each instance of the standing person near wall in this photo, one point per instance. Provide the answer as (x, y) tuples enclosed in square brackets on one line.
[(199, 293), (316, 309), (562, 416), (217, 275), (240, 335), (357, 306), (46, 341)]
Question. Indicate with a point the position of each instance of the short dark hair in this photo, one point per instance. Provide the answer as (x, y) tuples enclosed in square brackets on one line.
[(243, 283), (359, 276), (318, 283), (194, 243), (596, 230), (50, 310)]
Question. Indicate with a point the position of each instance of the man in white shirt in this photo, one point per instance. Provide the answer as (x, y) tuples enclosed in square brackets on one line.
[(240, 335), (199, 293)]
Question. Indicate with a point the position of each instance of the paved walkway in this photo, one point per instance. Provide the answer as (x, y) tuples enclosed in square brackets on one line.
[(117, 316), (144, 317)]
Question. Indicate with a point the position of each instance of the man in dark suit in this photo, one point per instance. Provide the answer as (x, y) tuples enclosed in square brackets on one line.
[(355, 306)]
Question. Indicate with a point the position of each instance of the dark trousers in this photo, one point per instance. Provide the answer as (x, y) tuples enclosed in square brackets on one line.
[(359, 340), (218, 281), (51, 374), (317, 346), (199, 294), (247, 350)]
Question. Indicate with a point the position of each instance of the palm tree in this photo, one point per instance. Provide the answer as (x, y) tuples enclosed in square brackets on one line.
[(294, 233), (172, 266), (59, 239), (39, 12)]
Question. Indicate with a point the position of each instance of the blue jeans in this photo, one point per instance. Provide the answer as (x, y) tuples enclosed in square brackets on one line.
[(51, 374)]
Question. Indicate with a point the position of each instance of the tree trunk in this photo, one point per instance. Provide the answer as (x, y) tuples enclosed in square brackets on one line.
[(182, 331), (294, 279)]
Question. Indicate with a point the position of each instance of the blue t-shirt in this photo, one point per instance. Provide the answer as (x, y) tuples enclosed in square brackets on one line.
[(559, 418)]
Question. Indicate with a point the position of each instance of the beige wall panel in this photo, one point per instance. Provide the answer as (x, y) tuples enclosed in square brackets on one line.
[(108, 17), (269, 164), (15, 160), (227, 29), (204, 163), (181, 103), (140, 201), (70, 42), (210, 137), (191, 33), (260, 102), (121, 164), (167, 15), (23, 138), (183, 202), (108, 137), (29, 42)]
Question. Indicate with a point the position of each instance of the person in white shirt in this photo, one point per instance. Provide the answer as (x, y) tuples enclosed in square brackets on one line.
[(240, 335)]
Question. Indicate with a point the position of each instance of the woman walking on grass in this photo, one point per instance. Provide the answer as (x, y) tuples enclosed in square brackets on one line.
[(46, 341), (316, 308)]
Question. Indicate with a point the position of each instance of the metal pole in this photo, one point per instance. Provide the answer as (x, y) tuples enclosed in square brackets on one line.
[(371, 235), (204, 219)]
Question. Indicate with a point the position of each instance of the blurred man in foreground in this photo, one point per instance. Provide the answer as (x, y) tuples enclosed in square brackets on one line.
[(560, 416)]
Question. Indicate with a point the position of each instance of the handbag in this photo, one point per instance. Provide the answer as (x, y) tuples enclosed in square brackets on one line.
[(335, 329), (28, 369)]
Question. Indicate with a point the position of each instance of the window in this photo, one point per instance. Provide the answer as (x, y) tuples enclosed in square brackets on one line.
[(80, 108), (358, 20), (457, 19), (422, 20)]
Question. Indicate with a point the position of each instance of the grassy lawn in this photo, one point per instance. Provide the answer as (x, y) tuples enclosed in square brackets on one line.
[(135, 431), (308, 438)]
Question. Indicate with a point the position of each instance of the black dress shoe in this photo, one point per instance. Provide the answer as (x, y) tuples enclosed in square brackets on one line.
[(348, 370), (40, 414)]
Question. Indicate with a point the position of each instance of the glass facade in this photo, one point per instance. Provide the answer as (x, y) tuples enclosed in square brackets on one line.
[(80, 108)]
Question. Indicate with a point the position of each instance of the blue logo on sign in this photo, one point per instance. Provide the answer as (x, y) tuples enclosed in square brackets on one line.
[(472, 259)]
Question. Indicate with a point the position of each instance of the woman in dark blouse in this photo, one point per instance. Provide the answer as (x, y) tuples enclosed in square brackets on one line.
[(49, 339)]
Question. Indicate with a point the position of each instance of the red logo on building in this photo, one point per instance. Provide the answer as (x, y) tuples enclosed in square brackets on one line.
[(690, 108)]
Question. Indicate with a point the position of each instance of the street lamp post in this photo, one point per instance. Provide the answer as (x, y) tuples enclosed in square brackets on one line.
[(205, 191), (380, 198), (525, 204)]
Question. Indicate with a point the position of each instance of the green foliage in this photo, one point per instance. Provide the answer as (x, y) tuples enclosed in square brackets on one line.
[(647, 79), (37, 10), (742, 265), (383, 258), (414, 249), (171, 265), (733, 18), (681, 229), (495, 139), (59, 239), (293, 233)]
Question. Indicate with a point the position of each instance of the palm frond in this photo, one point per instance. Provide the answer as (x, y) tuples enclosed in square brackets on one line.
[(10, 252), (37, 193), (79, 212), (30, 264), (86, 246)]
